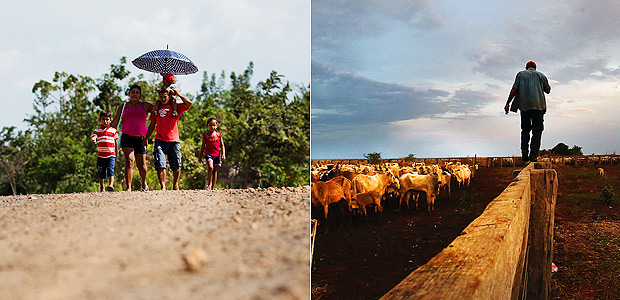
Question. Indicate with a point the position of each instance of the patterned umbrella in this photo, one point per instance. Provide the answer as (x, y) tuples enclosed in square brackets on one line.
[(165, 61)]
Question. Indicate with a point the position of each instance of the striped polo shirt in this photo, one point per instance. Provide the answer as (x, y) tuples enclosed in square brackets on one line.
[(106, 141)]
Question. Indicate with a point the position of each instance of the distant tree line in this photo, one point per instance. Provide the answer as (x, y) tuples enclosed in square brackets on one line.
[(563, 149), (266, 130), (376, 156)]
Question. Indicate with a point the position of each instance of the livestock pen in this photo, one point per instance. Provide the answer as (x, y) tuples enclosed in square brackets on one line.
[(400, 291), (504, 254)]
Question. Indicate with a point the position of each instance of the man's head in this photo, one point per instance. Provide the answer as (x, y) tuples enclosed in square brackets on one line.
[(165, 95), (530, 64)]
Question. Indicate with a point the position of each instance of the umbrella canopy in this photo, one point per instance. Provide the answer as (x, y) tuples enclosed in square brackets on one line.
[(165, 61)]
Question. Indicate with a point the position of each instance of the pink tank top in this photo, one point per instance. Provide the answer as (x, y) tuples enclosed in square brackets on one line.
[(134, 120)]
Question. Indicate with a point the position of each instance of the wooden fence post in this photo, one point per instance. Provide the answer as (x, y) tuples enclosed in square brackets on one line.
[(544, 186)]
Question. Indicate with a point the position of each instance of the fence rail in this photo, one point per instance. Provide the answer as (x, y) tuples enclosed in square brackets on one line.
[(503, 254), (505, 161)]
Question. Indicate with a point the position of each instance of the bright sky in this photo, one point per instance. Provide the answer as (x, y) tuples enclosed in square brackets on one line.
[(86, 37), (431, 78)]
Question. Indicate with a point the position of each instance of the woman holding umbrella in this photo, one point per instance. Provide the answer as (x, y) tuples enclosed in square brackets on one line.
[(132, 116)]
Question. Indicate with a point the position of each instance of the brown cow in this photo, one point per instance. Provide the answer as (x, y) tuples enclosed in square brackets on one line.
[(362, 200), (314, 176), (332, 191), (338, 171), (429, 184)]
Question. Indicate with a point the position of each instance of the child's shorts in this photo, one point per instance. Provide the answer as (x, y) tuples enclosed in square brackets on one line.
[(215, 159), (105, 167)]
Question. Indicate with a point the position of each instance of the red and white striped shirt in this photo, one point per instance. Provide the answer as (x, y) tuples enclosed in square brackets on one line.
[(106, 141)]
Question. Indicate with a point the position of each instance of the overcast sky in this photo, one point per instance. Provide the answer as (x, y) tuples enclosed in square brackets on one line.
[(86, 37), (431, 78)]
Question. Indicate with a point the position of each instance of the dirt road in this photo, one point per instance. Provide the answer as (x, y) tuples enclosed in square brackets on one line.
[(254, 244)]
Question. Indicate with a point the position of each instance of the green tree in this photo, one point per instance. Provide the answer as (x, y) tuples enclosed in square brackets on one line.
[(560, 149), (110, 91), (576, 150), (563, 149), (266, 131), (14, 158), (373, 156), (57, 135)]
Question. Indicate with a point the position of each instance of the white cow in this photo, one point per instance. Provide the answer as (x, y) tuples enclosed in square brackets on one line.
[(411, 184)]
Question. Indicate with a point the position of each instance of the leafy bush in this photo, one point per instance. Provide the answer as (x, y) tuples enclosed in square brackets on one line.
[(467, 201), (373, 157), (608, 196)]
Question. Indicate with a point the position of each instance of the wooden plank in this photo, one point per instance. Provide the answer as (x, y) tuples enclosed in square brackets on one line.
[(503, 254), (482, 262), (544, 186)]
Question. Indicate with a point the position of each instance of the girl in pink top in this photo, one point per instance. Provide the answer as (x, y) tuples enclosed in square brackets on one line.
[(132, 116), (213, 153)]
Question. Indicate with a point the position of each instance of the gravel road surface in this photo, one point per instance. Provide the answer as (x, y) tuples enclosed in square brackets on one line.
[(222, 244)]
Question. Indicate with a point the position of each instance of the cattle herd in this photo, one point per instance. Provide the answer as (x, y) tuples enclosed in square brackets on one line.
[(360, 186)]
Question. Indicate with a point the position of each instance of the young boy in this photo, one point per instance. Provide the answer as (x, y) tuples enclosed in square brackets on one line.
[(167, 83), (105, 138)]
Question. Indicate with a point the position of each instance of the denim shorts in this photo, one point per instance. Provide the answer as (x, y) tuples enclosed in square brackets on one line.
[(170, 149), (215, 159), (134, 142), (105, 167)]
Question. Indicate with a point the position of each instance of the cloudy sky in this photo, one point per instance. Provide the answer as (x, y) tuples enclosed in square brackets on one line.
[(86, 37), (431, 78)]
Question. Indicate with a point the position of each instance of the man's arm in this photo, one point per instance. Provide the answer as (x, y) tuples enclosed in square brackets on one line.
[(513, 93), (546, 86), (186, 101)]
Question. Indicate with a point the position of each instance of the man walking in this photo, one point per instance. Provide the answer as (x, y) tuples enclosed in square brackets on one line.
[(528, 94), (167, 142)]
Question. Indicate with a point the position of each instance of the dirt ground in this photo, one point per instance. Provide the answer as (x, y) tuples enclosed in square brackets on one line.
[(365, 259), (587, 235), (242, 244)]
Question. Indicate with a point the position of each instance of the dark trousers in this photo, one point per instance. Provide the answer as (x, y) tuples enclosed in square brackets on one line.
[(531, 120)]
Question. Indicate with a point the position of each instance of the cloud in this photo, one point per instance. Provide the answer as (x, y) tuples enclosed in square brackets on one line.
[(571, 40), (566, 115), (583, 109), (338, 25), (337, 21), (80, 37), (595, 68), (469, 63), (352, 99)]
